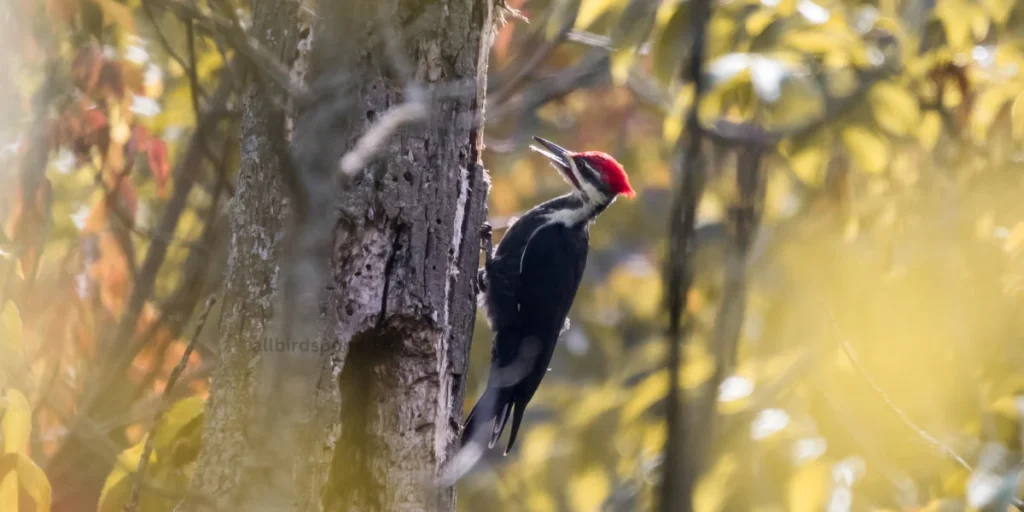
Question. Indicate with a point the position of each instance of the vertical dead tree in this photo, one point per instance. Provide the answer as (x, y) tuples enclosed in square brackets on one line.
[(395, 298)]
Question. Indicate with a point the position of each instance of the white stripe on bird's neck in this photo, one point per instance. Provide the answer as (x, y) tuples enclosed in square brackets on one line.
[(591, 201), (586, 210)]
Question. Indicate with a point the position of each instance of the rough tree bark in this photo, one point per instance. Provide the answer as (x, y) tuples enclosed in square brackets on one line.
[(400, 301)]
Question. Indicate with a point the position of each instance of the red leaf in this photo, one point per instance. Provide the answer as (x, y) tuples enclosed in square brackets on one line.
[(158, 165), (138, 143)]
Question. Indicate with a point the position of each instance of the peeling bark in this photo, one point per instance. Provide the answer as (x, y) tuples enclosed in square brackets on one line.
[(400, 304)]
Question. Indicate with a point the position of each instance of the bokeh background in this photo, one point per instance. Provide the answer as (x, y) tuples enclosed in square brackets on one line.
[(882, 350)]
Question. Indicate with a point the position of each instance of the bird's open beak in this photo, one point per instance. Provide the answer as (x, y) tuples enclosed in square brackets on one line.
[(559, 156)]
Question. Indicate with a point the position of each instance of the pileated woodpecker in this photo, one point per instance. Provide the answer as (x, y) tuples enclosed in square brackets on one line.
[(530, 282)]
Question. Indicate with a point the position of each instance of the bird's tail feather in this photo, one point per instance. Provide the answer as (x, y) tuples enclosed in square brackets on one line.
[(494, 406)]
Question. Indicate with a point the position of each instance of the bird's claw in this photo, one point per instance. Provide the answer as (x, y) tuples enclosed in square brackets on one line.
[(486, 241)]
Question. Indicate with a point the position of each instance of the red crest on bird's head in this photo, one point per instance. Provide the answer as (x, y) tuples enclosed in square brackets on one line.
[(611, 171), (594, 167)]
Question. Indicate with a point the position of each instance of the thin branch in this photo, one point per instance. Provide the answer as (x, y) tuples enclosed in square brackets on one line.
[(532, 63), (121, 347), (147, 450), (745, 217), (922, 433), (245, 45), (675, 494), (164, 41), (725, 132)]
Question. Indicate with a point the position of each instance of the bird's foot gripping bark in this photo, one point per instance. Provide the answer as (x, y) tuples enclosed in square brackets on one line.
[(487, 246), (487, 241)]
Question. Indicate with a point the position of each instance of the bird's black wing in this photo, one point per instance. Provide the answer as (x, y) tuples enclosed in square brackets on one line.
[(550, 273)]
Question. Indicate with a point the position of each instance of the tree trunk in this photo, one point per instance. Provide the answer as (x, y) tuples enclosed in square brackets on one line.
[(400, 301)]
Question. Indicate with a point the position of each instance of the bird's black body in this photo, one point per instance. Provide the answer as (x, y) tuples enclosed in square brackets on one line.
[(529, 285)]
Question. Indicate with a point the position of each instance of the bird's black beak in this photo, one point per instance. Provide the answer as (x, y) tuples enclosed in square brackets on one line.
[(560, 157)]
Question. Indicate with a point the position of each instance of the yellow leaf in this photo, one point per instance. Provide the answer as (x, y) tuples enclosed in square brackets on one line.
[(588, 491), (1015, 240), (999, 9), (956, 483), (867, 148), (621, 63), (988, 106), (699, 366), (653, 388), (10, 341), (592, 404), (808, 487), (956, 18), (33, 481), (10, 323), (808, 159), (117, 488), (537, 446), (985, 224), (894, 108), (654, 439), (929, 130), (541, 502), (183, 419), (672, 126), (17, 422), (590, 11), (757, 22), (813, 41), (19, 473), (117, 13), (979, 24), (9, 481), (786, 8), (1017, 117), (716, 485)]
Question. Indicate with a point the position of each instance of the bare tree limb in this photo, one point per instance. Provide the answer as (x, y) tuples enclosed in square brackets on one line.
[(244, 44), (674, 493)]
